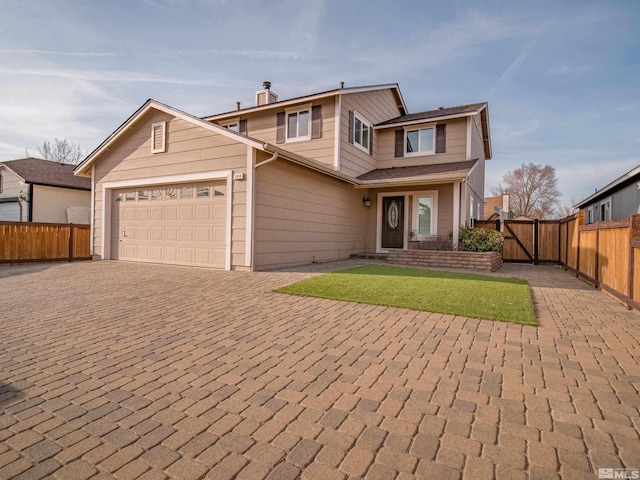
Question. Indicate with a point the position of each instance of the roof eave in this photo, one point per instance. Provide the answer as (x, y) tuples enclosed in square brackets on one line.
[(410, 181), (630, 176), (309, 98), (12, 171), (426, 120), (81, 169)]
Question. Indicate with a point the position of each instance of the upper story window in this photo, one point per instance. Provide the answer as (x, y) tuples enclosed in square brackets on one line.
[(233, 126), (420, 141), (303, 122), (361, 132), (425, 140), (299, 125)]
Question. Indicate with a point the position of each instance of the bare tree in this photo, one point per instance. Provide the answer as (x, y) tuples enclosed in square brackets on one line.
[(532, 189), (61, 151), (566, 210)]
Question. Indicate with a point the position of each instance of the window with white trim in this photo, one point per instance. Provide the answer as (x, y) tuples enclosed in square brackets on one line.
[(232, 124), (0, 182), (424, 214), (420, 141), (361, 132), (298, 125), (605, 210), (158, 137)]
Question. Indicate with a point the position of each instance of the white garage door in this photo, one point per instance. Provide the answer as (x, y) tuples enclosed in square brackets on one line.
[(10, 212), (178, 224)]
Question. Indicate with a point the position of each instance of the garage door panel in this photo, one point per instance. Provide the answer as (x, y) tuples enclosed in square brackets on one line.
[(203, 212), (171, 212), (156, 213), (186, 234), (171, 224)]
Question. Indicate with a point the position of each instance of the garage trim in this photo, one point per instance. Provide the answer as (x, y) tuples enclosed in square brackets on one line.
[(107, 187)]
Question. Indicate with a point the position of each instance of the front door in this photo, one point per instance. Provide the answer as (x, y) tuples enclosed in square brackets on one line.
[(393, 222)]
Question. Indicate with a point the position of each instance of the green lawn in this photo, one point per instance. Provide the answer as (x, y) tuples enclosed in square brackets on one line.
[(475, 296)]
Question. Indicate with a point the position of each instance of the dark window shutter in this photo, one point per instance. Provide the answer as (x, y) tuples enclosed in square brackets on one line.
[(351, 122), (399, 143), (316, 121), (280, 128), (242, 127), (370, 140), (441, 139)]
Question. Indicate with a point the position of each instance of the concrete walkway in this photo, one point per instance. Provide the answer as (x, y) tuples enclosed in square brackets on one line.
[(141, 371)]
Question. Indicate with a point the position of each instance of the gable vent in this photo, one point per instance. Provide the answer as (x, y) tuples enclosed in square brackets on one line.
[(158, 137)]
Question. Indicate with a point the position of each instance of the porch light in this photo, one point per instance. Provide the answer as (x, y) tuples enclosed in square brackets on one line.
[(365, 201)]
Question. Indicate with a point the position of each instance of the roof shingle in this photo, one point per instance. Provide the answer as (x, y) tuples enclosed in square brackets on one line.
[(45, 172), (441, 169), (429, 114)]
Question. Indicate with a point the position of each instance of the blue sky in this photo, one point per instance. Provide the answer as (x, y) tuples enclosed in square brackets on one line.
[(562, 78)]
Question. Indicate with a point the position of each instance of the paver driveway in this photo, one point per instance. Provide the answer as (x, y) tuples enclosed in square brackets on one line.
[(140, 371)]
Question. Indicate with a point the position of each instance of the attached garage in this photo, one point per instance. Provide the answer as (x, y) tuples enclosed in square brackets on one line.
[(181, 224)]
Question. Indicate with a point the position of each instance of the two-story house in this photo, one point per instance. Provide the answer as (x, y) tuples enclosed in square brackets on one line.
[(286, 182)]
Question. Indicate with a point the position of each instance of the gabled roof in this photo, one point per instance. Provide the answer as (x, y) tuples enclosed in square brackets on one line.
[(46, 172), (439, 171), (155, 105), (311, 97), (446, 113), (440, 113), (622, 181)]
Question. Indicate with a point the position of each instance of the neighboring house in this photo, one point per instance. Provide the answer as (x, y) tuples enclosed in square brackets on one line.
[(497, 207), (281, 183), (617, 200), (35, 190)]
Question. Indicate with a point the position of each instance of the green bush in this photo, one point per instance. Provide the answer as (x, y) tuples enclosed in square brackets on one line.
[(480, 240)]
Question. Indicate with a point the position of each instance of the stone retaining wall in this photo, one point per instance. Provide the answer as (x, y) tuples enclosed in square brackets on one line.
[(478, 261)]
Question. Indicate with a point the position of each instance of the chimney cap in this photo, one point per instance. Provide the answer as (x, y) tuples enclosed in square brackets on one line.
[(266, 84)]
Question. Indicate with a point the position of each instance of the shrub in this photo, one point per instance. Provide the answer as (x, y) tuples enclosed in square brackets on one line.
[(480, 240)]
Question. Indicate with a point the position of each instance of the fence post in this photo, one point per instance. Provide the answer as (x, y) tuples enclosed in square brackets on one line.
[(536, 227), (70, 242)]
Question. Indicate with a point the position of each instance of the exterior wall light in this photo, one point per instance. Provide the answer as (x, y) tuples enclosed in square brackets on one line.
[(366, 202)]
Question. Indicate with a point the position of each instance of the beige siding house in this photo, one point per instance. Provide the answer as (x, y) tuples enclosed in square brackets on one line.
[(36, 190), (286, 182)]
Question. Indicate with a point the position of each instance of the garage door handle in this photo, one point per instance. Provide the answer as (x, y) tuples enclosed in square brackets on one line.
[(124, 233)]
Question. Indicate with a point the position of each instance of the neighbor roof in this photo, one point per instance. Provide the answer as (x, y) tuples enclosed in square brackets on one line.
[(458, 111), (46, 172), (629, 177), (455, 169)]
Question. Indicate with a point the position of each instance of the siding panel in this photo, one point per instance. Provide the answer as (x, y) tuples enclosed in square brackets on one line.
[(303, 216)]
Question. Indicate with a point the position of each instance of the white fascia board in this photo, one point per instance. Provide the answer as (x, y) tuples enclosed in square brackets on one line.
[(426, 120), (283, 103), (308, 98), (427, 180), (11, 170), (154, 105)]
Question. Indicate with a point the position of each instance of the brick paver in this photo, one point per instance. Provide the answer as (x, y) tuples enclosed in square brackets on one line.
[(144, 371)]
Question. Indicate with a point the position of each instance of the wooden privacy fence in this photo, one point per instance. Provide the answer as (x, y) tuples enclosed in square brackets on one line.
[(606, 254), (22, 242)]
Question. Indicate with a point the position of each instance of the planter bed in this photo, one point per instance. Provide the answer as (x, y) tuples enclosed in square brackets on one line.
[(476, 261)]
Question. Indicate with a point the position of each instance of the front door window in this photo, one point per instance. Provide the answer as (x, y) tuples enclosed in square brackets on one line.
[(393, 222)]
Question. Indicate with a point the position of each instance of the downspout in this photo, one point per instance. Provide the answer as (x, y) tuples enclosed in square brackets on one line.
[(268, 160), (30, 200)]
